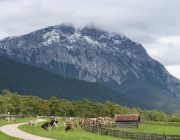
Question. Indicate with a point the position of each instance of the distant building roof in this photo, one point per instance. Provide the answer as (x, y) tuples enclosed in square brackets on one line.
[(127, 117)]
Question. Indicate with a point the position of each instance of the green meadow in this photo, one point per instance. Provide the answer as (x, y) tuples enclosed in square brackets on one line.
[(61, 134), (81, 134), (7, 137), (149, 128)]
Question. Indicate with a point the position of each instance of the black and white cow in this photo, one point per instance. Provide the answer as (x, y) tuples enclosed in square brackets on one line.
[(48, 125)]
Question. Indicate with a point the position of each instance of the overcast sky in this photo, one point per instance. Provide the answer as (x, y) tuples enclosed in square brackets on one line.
[(153, 23)]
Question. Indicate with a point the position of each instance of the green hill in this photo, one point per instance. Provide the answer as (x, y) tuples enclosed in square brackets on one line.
[(29, 80)]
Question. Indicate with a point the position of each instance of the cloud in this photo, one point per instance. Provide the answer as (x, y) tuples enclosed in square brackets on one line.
[(139, 20), (174, 70), (166, 50), (155, 23)]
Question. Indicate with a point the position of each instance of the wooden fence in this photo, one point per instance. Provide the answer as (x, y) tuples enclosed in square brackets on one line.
[(7, 115), (130, 135)]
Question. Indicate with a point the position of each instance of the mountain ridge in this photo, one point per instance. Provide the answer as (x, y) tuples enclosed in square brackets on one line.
[(94, 55)]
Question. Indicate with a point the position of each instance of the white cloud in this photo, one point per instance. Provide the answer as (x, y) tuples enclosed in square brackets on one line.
[(155, 23), (166, 50), (174, 70)]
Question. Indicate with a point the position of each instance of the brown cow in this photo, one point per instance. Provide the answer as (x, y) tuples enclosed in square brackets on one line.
[(80, 124), (33, 122), (6, 119), (69, 127), (13, 119)]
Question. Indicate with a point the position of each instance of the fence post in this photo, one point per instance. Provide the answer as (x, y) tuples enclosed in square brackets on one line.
[(125, 134), (143, 136), (156, 136), (137, 136), (120, 133), (164, 136), (172, 137)]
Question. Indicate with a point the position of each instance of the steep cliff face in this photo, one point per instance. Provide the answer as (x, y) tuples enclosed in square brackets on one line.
[(92, 55)]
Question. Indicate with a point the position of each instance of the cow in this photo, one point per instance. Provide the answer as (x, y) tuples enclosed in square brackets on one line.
[(72, 122), (71, 119), (13, 119), (6, 119), (54, 123), (58, 118), (47, 126), (65, 123), (33, 122), (80, 124), (69, 127)]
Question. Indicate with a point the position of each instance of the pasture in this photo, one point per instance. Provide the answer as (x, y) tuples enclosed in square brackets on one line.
[(61, 134), (149, 128), (7, 137), (81, 134)]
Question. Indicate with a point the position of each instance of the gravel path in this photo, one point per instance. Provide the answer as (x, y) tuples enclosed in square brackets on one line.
[(12, 130)]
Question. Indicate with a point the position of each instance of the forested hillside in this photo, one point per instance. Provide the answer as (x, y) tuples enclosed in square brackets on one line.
[(29, 80)]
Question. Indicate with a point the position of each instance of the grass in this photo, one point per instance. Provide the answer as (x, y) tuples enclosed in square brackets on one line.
[(148, 128), (61, 134), (7, 137), (81, 134)]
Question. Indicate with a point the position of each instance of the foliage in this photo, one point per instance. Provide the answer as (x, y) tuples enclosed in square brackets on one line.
[(32, 105)]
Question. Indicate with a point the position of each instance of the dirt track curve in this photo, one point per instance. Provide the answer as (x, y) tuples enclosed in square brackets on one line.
[(12, 130)]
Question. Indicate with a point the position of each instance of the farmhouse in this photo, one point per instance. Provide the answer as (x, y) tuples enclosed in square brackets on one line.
[(127, 120)]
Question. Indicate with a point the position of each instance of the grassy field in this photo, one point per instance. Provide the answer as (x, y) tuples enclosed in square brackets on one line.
[(61, 134), (7, 137), (80, 134), (148, 128)]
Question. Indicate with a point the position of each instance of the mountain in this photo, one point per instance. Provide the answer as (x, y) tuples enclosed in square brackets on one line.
[(30, 80), (94, 55)]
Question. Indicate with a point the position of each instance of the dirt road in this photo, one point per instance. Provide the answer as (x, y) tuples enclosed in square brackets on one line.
[(12, 130)]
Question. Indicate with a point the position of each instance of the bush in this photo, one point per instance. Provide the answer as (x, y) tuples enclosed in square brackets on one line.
[(103, 131)]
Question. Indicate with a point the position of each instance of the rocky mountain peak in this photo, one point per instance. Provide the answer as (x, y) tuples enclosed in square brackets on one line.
[(93, 55)]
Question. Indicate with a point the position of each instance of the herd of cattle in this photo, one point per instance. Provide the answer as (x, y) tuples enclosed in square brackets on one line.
[(8, 119), (70, 123)]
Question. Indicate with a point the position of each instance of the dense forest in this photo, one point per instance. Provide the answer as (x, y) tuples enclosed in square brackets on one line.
[(28, 105), (30, 80)]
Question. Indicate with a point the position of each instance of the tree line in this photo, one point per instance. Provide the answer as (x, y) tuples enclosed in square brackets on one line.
[(28, 105)]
